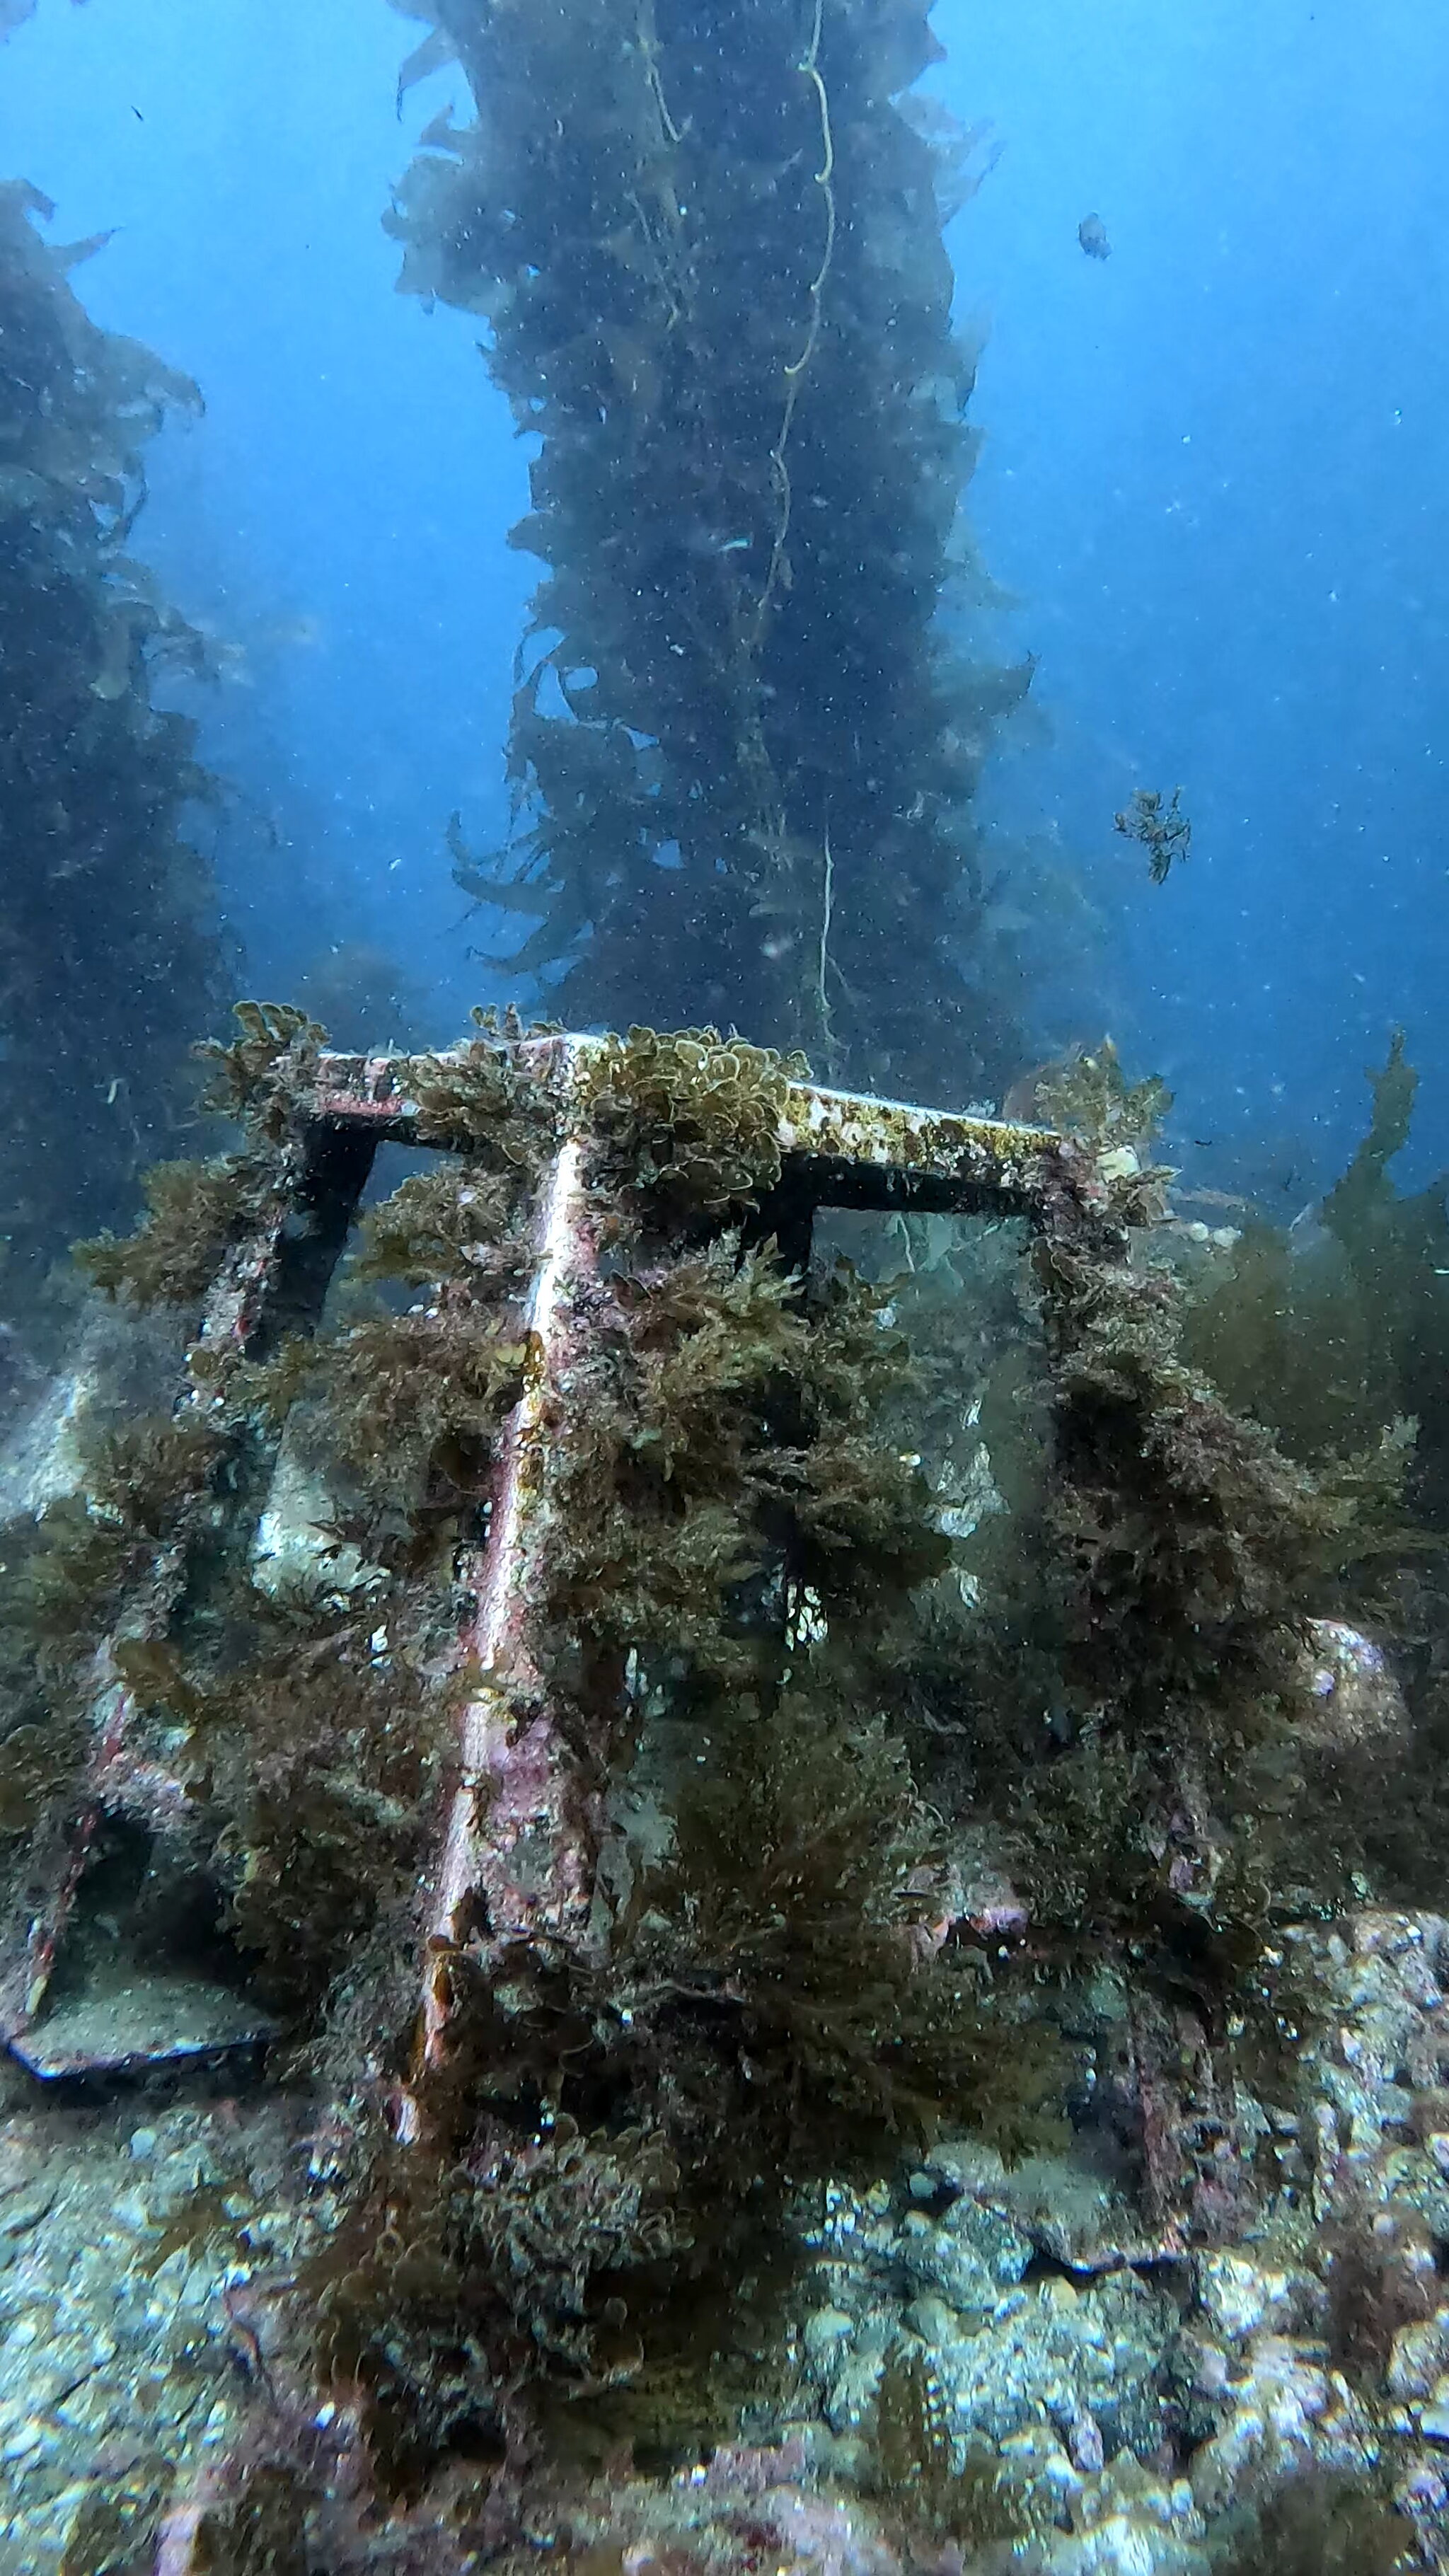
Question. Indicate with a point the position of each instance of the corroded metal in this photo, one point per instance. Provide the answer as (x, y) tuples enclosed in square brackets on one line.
[(120, 1780), (848, 1148), (518, 1847), (521, 1836)]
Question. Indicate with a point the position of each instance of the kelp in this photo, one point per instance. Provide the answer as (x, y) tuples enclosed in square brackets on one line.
[(1335, 1334), (745, 737), (108, 945)]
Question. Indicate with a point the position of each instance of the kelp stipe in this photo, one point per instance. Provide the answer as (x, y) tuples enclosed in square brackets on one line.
[(106, 909), (707, 251)]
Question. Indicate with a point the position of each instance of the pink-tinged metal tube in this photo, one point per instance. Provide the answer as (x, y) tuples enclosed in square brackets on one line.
[(519, 1838)]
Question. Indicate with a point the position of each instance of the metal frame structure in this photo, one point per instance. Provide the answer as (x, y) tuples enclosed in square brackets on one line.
[(517, 1782)]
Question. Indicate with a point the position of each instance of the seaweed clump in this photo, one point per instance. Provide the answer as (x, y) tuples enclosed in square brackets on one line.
[(108, 944), (1188, 1551), (195, 1212), (690, 1121), (313, 1750), (65, 1577), (263, 2532), (1321, 2523), (1160, 825), (787, 1962), (258, 1075), (1090, 1096), (1333, 1334), (600, 2152), (411, 1404), (770, 1985), (727, 1454), (477, 1099)]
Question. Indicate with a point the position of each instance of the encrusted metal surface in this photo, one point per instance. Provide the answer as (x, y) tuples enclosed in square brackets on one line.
[(134, 2032), (530, 1867), (850, 1141)]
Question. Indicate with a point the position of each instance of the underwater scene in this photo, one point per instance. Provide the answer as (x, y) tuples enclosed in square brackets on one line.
[(724, 1288)]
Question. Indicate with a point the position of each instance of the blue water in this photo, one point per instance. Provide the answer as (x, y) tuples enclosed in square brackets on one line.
[(1213, 481)]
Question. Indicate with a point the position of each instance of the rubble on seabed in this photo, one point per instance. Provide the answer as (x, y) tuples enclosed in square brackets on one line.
[(1132, 2397)]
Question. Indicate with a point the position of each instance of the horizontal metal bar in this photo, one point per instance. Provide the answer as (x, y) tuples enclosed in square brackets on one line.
[(844, 1148)]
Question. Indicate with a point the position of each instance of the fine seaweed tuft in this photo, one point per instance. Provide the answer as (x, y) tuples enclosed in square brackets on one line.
[(257, 1076), (195, 1212)]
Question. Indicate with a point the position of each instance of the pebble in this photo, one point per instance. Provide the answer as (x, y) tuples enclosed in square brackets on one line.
[(103, 2361), (26, 2208), (1418, 2356), (933, 2321), (825, 2331)]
